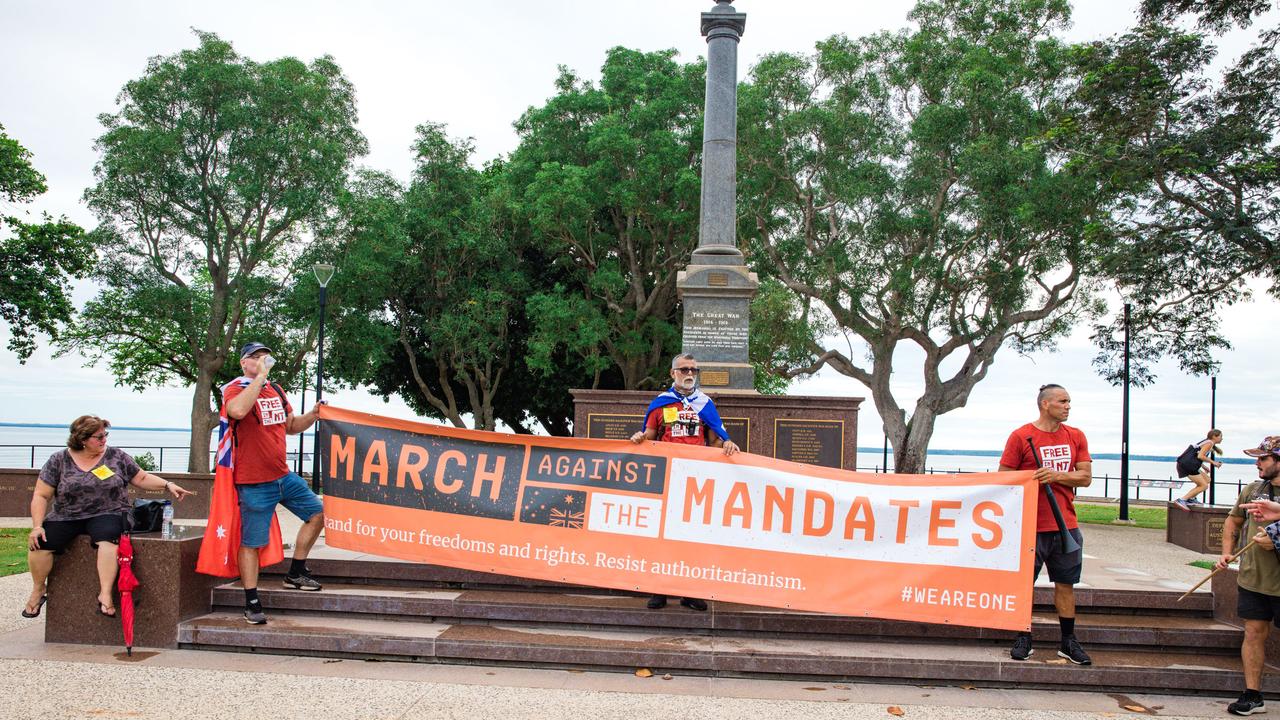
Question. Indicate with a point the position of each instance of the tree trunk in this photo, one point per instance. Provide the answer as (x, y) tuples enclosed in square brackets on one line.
[(911, 447), (203, 421)]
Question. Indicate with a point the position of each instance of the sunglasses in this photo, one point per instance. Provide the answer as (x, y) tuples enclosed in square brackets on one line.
[(687, 370), (100, 436)]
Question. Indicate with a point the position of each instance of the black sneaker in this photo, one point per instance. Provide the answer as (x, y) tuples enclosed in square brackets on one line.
[(694, 604), (301, 582), (1071, 650), (657, 602), (1250, 702), (1021, 648), (255, 616)]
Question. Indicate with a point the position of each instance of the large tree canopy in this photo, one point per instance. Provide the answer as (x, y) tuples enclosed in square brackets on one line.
[(209, 175), (37, 260), (1198, 161), (607, 178), (898, 186), (431, 285)]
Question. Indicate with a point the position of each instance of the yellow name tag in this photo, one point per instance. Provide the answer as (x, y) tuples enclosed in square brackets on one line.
[(103, 472), (670, 414)]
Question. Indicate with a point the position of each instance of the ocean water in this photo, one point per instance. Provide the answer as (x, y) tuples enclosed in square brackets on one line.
[(30, 445)]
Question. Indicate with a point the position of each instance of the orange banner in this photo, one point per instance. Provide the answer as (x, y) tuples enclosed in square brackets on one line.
[(683, 520)]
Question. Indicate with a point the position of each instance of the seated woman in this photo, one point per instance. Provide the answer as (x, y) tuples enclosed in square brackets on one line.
[(88, 484)]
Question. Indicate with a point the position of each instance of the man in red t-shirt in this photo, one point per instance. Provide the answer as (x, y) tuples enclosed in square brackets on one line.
[(260, 416), (684, 414), (1060, 456)]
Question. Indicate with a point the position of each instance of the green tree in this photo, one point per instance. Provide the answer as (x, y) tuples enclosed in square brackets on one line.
[(37, 260), (431, 285), (898, 186), (1197, 161), (210, 174), (608, 179)]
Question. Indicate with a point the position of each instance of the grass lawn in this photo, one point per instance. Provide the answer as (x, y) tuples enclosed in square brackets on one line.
[(13, 550), (1142, 515)]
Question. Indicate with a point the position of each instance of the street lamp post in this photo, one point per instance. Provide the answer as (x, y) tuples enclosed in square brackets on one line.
[(324, 273), (1124, 427), (1213, 423)]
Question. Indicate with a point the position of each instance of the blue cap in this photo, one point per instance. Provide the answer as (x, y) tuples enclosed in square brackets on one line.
[(251, 348)]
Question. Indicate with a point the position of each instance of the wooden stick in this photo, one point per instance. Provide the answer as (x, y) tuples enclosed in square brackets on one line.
[(1217, 570)]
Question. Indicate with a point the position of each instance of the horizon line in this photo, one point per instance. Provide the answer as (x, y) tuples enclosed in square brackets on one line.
[(860, 449)]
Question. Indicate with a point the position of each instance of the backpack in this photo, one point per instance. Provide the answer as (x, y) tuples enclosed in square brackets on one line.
[(1189, 460)]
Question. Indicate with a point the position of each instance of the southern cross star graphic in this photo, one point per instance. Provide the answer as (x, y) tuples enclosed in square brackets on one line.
[(222, 532)]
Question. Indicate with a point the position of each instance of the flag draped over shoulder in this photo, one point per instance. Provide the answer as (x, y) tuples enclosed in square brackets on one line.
[(221, 542), (697, 401)]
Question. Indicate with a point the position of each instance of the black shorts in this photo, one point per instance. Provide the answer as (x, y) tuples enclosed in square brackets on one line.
[(1189, 468), (1252, 605), (58, 534), (1063, 567)]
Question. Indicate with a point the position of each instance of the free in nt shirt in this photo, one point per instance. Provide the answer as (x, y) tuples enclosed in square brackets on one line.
[(259, 435), (1061, 451), (678, 423)]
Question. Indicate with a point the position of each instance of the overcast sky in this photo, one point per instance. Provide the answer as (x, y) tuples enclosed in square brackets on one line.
[(476, 67)]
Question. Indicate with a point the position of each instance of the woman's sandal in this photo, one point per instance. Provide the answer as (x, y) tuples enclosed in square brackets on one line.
[(100, 605), (39, 607)]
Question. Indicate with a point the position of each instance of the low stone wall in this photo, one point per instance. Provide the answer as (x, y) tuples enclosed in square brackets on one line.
[(171, 591), (1196, 528), (1225, 593), (18, 484)]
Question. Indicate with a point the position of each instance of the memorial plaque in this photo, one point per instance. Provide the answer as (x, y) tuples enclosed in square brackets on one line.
[(813, 442), (716, 279), (712, 329), (1213, 531), (715, 378), (613, 427), (739, 432)]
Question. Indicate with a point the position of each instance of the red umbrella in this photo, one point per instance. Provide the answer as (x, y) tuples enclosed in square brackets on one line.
[(126, 582)]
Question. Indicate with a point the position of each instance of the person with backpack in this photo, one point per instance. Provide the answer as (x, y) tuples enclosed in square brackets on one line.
[(260, 416), (1191, 466)]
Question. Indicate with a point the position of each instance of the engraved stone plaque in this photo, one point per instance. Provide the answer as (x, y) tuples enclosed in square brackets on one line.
[(1213, 532), (739, 432), (716, 331), (613, 427), (814, 442)]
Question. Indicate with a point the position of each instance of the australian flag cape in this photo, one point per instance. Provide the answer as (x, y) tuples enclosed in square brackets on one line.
[(220, 548), (698, 401)]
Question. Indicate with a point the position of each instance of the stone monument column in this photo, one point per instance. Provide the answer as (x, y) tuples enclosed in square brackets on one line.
[(716, 288)]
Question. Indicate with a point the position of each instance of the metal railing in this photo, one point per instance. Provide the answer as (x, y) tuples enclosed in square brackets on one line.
[(168, 458), (1168, 484)]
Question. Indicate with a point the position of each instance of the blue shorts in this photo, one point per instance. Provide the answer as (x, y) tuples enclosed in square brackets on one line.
[(258, 505)]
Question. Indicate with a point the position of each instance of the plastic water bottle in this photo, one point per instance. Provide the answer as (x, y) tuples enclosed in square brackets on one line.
[(166, 526)]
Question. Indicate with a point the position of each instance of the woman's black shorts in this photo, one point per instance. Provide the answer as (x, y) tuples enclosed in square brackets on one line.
[(58, 534)]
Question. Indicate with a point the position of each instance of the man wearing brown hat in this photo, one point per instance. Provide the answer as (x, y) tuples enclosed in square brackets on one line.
[(1258, 600)]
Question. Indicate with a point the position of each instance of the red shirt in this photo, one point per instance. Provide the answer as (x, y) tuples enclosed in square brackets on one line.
[(677, 423), (259, 435), (1061, 451)]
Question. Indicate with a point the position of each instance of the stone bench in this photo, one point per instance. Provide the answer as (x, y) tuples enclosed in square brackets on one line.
[(171, 592), (1198, 527), (18, 484)]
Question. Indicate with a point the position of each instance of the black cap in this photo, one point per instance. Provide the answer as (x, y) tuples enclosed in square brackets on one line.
[(251, 348)]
